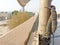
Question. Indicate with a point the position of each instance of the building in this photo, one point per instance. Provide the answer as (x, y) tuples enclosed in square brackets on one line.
[(5, 15)]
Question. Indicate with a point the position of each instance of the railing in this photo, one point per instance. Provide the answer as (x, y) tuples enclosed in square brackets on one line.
[(34, 38), (55, 38), (20, 34)]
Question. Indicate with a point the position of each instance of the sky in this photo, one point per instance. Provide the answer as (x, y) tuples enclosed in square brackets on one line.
[(32, 6)]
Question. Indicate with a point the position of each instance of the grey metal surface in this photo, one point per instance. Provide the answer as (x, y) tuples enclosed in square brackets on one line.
[(56, 36)]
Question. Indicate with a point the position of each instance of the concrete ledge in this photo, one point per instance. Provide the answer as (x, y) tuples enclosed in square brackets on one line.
[(19, 35)]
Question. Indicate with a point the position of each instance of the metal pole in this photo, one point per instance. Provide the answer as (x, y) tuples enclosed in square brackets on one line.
[(23, 9), (53, 38)]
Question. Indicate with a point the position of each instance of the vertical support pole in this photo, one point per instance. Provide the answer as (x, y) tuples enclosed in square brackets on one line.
[(43, 16), (23, 9)]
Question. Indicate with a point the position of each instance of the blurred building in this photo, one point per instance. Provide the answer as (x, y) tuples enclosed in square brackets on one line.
[(5, 16), (58, 16)]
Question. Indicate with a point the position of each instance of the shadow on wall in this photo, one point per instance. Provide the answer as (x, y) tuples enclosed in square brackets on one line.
[(34, 29), (35, 26)]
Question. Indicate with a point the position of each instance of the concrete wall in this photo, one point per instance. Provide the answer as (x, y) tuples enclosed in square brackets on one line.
[(18, 35)]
